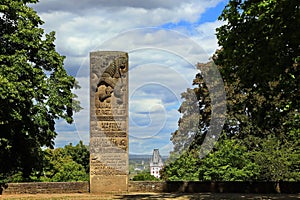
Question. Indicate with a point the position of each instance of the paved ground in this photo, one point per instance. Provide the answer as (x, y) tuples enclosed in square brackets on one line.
[(153, 196)]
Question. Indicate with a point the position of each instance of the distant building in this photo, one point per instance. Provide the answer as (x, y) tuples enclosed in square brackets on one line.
[(156, 163)]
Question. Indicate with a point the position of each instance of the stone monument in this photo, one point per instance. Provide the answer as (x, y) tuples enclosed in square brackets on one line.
[(108, 121)]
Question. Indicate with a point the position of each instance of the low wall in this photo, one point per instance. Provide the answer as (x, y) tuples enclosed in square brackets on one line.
[(158, 187), (146, 186), (46, 188), (214, 187)]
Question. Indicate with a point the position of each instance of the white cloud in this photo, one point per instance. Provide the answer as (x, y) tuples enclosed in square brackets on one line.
[(187, 8), (81, 26), (145, 105), (162, 61), (207, 36)]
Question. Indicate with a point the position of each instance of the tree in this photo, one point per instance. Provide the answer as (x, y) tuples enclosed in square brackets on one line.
[(229, 161), (277, 161), (144, 176), (60, 167), (259, 61), (79, 153), (183, 168), (193, 126), (70, 171), (196, 115), (200, 125), (35, 89)]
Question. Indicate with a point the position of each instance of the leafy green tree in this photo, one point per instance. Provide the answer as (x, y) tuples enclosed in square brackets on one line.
[(144, 176), (192, 128), (196, 135), (80, 154), (35, 89), (60, 167), (60, 164), (280, 160), (259, 61), (277, 161), (196, 113), (70, 171), (229, 161), (183, 168)]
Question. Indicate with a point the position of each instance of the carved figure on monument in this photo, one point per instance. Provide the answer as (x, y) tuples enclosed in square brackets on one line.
[(111, 82)]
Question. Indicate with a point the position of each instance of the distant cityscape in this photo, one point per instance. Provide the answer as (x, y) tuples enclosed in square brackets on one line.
[(141, 163), (143, 157)]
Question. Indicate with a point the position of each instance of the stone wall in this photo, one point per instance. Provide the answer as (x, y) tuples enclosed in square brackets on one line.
[(158, 187), (146, 186), (46, 188), (214, 187)]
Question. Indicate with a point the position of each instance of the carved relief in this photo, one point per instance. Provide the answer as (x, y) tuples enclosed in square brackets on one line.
[(112, 82)]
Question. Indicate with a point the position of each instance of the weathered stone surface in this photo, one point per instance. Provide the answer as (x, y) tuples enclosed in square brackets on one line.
[(108, 121), (46, 188), (106, 184)]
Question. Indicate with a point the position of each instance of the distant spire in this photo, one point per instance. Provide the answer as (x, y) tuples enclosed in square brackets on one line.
[(156, 163), (156, 158)]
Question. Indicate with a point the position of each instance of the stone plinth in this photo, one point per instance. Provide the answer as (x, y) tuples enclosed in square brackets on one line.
[(108, 121)]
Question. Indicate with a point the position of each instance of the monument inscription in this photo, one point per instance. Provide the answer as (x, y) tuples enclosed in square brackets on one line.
[(108, 121)]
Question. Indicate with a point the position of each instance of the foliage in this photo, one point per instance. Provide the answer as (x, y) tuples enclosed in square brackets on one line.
[(202, 102), (60, 165), (194, 122), (17, 177), (144, 176), (229, 162), (80, 154), (185, 167), (192, 128), (259, 61), (62, 168), (35, 89), (137, 165), (279, 160)]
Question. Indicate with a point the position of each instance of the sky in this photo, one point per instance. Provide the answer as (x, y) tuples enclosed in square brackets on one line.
[(164, 40)]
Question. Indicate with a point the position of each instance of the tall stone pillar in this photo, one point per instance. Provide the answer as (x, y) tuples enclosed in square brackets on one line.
[(108, 121)]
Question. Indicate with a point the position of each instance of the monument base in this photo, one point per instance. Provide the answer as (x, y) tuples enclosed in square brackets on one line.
[(102, 183)]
